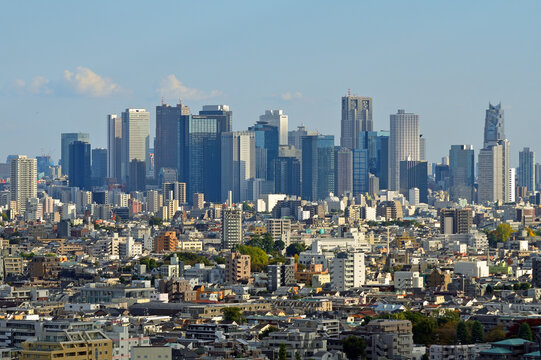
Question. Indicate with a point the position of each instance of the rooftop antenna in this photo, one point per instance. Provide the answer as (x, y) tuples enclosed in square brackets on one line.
[(162, 100), (349, 92)]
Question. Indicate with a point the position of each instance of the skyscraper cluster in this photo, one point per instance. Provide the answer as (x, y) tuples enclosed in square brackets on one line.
[(204, 156)]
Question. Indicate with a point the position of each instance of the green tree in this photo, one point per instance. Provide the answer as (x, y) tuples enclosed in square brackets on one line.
[(525, 286), (462, 335), (258, 257), (282, 355), (297, 356), (219, 259), (503, 232), (150, 263), (354, 347), (496, 334), (233, 314), (266, 242), (525, 332), (155, 220), (279, 245), (295, 249), (477, 332)]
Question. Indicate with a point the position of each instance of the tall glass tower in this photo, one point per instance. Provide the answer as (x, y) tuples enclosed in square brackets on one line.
[(356, 117)]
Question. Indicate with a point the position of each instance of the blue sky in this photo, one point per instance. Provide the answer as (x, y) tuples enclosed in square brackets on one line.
[(67, 64)]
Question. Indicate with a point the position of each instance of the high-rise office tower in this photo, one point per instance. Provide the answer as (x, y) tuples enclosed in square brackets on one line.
[(361, 172), (237, 164), (267, 142), (414, 174), (295, 136), (99, 166), (231, 227), (170, 137), (23, 182), (317, 166), (66, 139), (422, 147), (203, 150), (79, 167), (278, 119), (491, 182), (526, 169), (343, 163), (496, 183), (494, 125), (135, 138), (137, 173), (462, 172), (287, 175), (404, 143), (356, 117), (114, 147), (44, 164), (377, 145)]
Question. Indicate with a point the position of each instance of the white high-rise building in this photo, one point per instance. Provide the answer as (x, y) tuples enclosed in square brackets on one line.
[(280, 120), (23, 182), (237, 164), (347, 270), (154, 201), (114, 146), (135, 138), (511, 185), (490, 179), (404, 143)]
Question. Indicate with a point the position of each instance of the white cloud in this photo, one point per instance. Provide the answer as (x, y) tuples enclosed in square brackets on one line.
[(288, 96), (38, 85), (86, 82), (173, 88)]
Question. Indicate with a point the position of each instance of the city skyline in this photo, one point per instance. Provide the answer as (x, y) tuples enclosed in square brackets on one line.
[(74, 94)]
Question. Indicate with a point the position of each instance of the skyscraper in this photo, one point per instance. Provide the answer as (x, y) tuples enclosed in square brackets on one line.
[(99, 166), (135, 138), (79, 167), (317, 166), (136, 179), (377, 145), (494, 125), (23, 182), (356, 117), (361, 172), (526, 169), (495, 183), (491, 182), (203, 150), (114, 147), (66, 139), (278, 119), (414, 174), (267, 142), (237, 163), (287, 175), (344, 171), (462, 172), (170, 137), (404, 143)]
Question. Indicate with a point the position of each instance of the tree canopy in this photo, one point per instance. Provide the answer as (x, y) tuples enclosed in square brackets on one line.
[(354, 347)]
